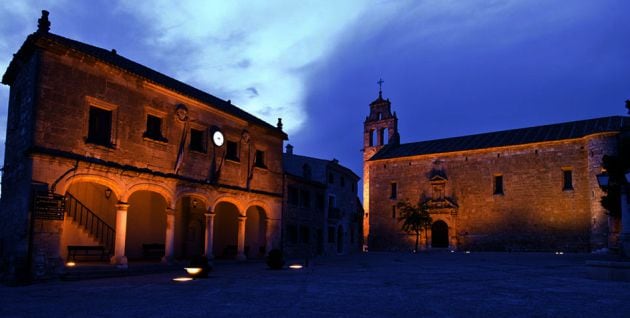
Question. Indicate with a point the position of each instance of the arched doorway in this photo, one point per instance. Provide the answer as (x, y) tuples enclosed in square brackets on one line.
[(90, 217), (190, 227), (146, 226), (225, 238), (439, 234), (255, 242), (340, 239)]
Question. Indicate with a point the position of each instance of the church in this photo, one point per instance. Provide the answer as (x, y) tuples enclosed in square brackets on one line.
[(527, 189)]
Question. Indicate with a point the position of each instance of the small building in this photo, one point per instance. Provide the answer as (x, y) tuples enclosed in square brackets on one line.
[(532, 189), (145, 166), (322, 214)]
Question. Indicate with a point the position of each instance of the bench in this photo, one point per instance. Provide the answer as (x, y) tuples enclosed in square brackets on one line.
[(152, 251), (86, 251)]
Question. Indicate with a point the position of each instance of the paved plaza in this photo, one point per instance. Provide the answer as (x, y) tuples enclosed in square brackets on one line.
[(363, 285)]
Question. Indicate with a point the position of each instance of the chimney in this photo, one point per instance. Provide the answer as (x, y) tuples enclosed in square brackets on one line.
[(289, 149)]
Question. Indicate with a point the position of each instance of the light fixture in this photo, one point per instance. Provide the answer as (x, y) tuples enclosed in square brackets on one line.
[(194, 203), (603, 179), (193, 271), (71, 264), (296, 266), (182, 279), (108, 193)]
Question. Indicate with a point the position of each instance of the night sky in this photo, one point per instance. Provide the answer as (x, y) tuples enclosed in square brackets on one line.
[(450, 68)]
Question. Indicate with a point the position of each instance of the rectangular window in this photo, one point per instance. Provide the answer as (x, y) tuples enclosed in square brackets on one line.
[(498, 184), (260, 159), (568, 179), (197, 140), (331, 234), (319, 201), (292, 233), (305, 234), (343, 181), (331, 202), (293, 195), (331, 178), (232, 151), (394, 191), (100, 127), (305, 198), (154, 128)]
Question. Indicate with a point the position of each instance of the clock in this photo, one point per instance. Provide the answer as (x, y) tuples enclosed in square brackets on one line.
[(217, 138)]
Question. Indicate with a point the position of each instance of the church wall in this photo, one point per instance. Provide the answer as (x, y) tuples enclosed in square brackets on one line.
[(533, 213)]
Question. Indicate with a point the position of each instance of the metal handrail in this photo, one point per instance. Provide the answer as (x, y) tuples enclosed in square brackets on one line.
[(93, 224)]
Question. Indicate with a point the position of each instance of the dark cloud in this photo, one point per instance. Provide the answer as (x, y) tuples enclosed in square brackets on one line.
[(464, 78), (253, 92)]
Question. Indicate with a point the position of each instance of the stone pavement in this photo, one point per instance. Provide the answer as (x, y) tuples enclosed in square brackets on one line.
[(363, 285)]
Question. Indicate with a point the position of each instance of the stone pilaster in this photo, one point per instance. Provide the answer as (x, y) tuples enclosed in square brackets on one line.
[(209, 239)]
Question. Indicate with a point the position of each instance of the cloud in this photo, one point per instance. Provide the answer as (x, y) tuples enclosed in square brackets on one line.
[(228, 47)]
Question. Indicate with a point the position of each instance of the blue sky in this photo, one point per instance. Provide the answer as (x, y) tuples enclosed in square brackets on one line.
[(450, 67)]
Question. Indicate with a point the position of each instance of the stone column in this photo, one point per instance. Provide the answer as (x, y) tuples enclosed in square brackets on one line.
[(241, 238), (209, 233), (119, 257), (169, 242)]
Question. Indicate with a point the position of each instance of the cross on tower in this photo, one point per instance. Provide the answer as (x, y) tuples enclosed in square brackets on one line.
[(380, 85)]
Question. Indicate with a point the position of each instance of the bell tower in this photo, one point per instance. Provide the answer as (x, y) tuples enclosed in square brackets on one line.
[(379, 129), (380, 126)]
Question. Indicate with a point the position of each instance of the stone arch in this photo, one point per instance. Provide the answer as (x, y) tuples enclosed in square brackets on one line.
[(226, 227), (112, 184), (231, 200), (90, 212), (146, 221), (166, 193), (255, 231), (198, 194), (190, 225)]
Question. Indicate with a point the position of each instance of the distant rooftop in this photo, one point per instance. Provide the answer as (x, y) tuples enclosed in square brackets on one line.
[(554, 132)]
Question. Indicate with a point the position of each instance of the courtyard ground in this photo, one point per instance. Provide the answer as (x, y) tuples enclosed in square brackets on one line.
[(362, 285)]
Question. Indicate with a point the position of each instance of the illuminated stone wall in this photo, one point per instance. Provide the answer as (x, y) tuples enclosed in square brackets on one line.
[(534, 212)]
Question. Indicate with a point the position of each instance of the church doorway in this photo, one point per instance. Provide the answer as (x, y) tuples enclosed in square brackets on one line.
[(439, 234)]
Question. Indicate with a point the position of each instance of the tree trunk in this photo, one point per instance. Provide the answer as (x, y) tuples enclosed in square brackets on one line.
[(417, 236)]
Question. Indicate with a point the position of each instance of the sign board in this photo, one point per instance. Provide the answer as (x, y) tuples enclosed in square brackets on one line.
[(49, 206)]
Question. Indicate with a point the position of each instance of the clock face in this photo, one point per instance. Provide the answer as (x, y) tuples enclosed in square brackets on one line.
[(217, 138)]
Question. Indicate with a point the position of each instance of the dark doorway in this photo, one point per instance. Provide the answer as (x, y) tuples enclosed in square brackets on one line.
[(439, 234)]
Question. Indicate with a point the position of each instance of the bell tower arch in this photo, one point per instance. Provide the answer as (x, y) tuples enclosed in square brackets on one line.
[(380, 127)]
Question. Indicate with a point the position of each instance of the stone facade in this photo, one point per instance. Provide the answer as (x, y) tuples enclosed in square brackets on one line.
[(138, 150), (322, 214), (512, 196)]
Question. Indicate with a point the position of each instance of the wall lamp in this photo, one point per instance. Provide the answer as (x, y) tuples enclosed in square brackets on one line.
[(108, 193)]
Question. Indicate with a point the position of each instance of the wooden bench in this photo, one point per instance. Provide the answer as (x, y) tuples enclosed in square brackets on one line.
[(152, 251), (86, 251)]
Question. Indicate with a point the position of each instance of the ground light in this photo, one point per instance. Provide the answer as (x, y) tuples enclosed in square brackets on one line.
[(296, 266), (71, 264), (193, 271), (182, 279)]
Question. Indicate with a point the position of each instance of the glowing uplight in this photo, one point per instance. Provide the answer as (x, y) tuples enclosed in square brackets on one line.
[(559, 253), (71, 264), (193, 270), (296, 266), (467, 252), (182, 279)]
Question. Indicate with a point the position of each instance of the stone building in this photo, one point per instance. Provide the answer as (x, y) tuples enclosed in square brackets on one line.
[(322, 214), (146, 166), (523, 189)]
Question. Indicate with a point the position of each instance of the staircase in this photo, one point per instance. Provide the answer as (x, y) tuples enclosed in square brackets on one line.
[(91, 223)]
